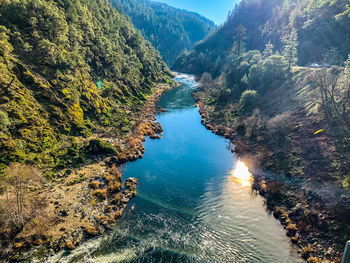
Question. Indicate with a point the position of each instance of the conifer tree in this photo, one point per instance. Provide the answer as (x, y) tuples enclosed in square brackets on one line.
[(290, 49), (239, 40), (268, 50)]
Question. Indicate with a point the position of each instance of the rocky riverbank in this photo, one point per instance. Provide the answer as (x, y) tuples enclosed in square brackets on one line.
[(81, 203), (300, 189)]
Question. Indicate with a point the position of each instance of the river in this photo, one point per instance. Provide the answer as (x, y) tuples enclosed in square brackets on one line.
[(194, 200)]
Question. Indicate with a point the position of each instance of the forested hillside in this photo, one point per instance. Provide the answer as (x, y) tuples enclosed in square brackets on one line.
[(322, 28), (276, 80), (68, 68), (170, 30), (75, 78)]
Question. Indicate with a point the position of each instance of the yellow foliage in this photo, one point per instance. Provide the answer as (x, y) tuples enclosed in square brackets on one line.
[(77, 114)]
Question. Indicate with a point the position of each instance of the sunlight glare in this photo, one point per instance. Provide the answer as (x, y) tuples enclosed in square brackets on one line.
[(241, 174)]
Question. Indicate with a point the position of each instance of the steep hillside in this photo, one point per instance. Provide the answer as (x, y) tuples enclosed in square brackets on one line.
[(170, 30), (78, 84), (322, 29), (292, 122), (69, 68)]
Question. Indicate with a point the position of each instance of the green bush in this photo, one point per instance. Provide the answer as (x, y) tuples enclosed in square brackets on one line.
[(248, 100), (4, 121)]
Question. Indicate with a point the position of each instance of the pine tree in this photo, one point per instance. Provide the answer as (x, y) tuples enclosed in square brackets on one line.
[(290, 49), (239, 40), (268, 50)]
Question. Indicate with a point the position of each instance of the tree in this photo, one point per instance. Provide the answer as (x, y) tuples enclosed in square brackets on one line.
[(239, 40), (290, 49), (5, 47), (18, 178), (206, 78), (334, 92), (248, 100), (268, 51), (333, 57), (268, 71)]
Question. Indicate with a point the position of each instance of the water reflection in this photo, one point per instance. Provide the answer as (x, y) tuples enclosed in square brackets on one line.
[(241, 174)]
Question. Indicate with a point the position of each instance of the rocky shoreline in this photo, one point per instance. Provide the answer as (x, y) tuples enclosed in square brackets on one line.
[(308, 221), (83, 203)]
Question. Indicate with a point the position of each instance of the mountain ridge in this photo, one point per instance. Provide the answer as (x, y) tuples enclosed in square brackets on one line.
[(162, 24)]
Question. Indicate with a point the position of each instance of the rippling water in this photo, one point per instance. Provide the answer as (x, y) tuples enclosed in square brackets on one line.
[(194, 201)]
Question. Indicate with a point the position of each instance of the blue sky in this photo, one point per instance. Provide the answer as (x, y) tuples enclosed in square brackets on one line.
[(215, 10)]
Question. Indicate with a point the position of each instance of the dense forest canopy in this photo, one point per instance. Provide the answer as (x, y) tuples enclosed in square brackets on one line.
[(170, 30), (68, 68), (322, 28)]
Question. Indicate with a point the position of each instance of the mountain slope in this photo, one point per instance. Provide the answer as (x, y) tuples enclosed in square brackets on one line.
[(68, 68), (170, 30), (322, 28), (285, 118)]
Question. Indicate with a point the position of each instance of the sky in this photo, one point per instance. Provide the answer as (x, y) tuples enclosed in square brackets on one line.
[(216, 10)]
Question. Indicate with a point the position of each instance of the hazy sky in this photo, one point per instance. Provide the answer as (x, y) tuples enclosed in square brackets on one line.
[(215, 10)]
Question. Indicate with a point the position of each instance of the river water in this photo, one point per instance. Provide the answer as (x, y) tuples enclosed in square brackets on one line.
[(194, 201)]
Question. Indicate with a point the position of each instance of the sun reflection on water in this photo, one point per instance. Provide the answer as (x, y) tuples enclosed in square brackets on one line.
[(241, 174)]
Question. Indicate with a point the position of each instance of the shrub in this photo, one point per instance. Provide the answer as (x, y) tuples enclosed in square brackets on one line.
[(307, 251), (346, 182), (295, 240), (206, 78), (114, 187), (4, 121), (116, 216), (117, 199), (248, 100), (98, 146), (96, 184), (92, 231), (278, 129), (70, 245), (292, 230), (103, 219), (281, 123), (314, 260), (100, 193)]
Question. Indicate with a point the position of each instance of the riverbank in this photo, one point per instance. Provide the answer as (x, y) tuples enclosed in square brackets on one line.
[(189, 207), (84, 202), (303, 185)]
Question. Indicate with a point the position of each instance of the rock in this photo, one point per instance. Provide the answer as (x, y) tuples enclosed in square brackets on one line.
[(131, 183), (160, 109)]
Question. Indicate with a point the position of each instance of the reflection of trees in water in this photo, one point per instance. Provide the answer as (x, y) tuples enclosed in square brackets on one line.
[(177, 98)]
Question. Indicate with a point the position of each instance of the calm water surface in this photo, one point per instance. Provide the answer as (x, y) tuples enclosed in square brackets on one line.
[(194, 201)]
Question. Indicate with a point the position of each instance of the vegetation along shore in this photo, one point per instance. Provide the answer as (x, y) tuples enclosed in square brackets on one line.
[(79, 86), (289, 118)]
